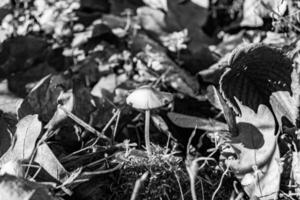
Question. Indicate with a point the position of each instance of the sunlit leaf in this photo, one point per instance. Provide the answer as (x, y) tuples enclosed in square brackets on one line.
[(256, 147), (28, 130), (14, 188)]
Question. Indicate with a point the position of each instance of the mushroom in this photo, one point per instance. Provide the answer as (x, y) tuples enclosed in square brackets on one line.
[(147, 98)]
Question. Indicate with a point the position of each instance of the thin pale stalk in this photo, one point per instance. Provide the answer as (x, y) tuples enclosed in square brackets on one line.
[(147, 132), (83, 124)]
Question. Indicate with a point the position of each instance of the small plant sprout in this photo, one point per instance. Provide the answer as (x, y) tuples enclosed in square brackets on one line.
[(147, 98)]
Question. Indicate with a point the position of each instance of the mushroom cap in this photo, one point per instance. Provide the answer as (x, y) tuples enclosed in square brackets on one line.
[(147, 98)]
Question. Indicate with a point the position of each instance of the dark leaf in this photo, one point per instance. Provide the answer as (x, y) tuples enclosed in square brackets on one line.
[(5, 137), (227, 111), (42, 99), (77, 101), (257, 72), (186, 121), (20, 53)]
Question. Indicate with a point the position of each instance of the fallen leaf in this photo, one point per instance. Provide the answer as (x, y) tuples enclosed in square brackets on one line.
[(48, 161), (13, 167), (256, 147), (42, 98), (105, 86), (255, 11), (14, 188), (186, 121), (257, 70), (77, 100), (19, 53), (154, 54), (257, 73), (28, 130)]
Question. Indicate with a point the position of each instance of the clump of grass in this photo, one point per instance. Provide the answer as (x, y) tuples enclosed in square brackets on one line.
[(167, 177)]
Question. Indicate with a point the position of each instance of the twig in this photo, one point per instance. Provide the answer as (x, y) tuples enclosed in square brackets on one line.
[(31, 158), (104, 171), (180, 188), (220, 184), (83, 124), (192, 171), (116, 125), (138, 186), (190, 141), (279, 16)]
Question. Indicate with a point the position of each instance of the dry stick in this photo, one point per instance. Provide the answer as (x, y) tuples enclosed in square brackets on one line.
[(104, 171), (98, 161), (194, 163), (31, 158), (180, 188), (83, 124), (279, 16), (202, 188), (199, 181), (138, 186), (221, 181), (117, 114), (190, 141), (37, 171), (116, 125), (193, 173)]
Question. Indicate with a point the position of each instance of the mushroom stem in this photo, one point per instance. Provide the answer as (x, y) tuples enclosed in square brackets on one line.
[(147, 134)]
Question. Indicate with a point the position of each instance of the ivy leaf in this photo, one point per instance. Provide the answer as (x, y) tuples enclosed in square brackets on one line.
[(257, 152), (259, 75)]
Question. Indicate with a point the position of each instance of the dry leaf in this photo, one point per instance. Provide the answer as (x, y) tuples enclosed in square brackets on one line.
[(186, 121), (28, 130), (77, 100), (158, 60), (13, 167), (48, 161), (42, 98), (105, 86), (254, 11), (14, 188), (256, 147)]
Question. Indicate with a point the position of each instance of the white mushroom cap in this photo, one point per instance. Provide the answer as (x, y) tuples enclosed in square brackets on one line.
[(147, 98)]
